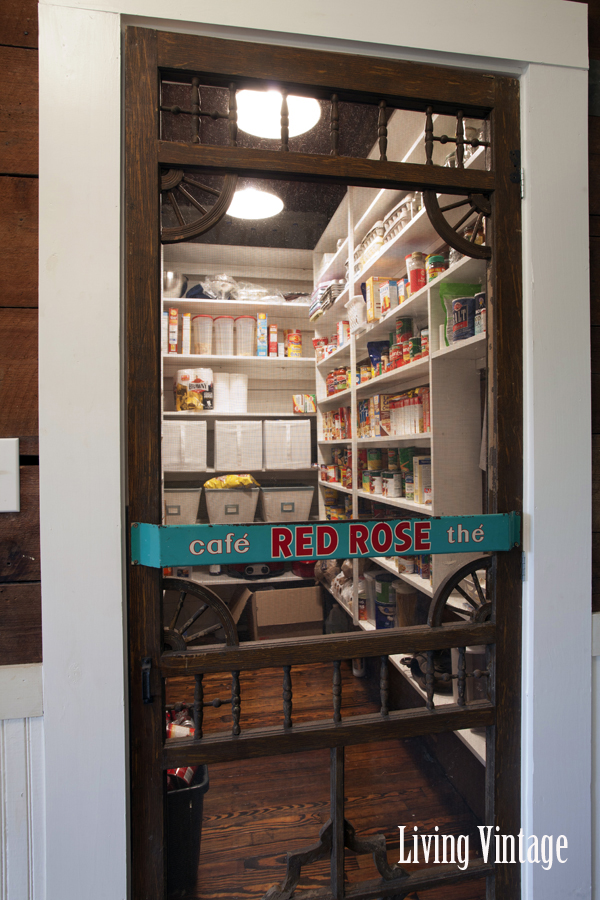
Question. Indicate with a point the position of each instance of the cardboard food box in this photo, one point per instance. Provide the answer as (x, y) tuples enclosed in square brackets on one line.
[(287, 613)]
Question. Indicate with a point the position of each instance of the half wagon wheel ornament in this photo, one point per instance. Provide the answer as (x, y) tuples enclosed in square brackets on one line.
[(477, 205), (175, 186), (467, 582), (180, 633)]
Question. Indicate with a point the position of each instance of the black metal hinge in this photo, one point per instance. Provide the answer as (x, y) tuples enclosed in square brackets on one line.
[(146, 667)]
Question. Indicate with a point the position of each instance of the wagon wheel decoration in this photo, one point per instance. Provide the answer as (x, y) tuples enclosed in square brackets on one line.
[(478, 204), (177, 186), (467, 583), (179, 635)]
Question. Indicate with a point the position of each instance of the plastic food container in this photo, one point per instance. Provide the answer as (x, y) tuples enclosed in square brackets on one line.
[(202, 329), (223, 335), (225, 505), (286, 503), (357, 312), (245, 336)]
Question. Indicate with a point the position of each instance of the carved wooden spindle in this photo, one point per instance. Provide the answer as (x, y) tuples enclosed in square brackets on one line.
[(337, 691), (460, 141), (285, 122), (382, 131), (461, 679), (335, 125), (429, 136), (198, 707), (195, 111), (236, 702), (287, 696), (233, 126), (384, 686), (429, 679)]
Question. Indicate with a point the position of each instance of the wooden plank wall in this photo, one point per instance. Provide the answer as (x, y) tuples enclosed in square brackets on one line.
[(20, 601)]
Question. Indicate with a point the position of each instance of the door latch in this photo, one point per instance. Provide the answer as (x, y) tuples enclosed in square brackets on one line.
[(146, 667)]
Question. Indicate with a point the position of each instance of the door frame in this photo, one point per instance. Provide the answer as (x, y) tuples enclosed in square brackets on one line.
[(83, 630)]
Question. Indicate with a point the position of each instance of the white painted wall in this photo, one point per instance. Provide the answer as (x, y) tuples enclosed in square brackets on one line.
[(81, 483)]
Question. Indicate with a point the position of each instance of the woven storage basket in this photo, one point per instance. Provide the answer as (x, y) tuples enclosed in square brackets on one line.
[(287, 444), (238, 446), (181, 505)]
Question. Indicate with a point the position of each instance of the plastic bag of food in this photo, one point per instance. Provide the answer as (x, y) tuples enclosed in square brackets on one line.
[(224, 287), (231, 481)]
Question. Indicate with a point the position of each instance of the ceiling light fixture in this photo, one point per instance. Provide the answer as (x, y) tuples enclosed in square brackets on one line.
[(253, 204), (259, 113)]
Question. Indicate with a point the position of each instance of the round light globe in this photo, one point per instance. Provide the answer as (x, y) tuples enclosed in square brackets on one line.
[(259, 113), (253, 204)]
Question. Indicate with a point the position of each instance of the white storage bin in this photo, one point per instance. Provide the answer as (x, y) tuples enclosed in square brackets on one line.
[(225, 505), (287, 444), (181, 505), (184, 447), (286, 502), (238, 446)]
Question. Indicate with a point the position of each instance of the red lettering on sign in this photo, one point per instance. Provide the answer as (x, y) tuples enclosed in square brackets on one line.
[(281, 538), (304, 546), (323, 532), (358, 539), (382, 537), (422, 539), (404, 540)]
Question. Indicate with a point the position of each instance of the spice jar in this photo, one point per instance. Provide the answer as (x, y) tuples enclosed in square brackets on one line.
[(436, 264)]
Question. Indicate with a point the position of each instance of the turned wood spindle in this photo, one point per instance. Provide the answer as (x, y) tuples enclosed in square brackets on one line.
[(236, 702), (233, 126), (285, 122), (195, 111), (460, 141), (384, 686), (334, 125), (198, 707), (461, 676), (429, 679), (429, 136), (287, 696), (337, 691), (382, 131)]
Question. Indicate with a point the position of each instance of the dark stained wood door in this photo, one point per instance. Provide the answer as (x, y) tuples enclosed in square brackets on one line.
[(152, 57)]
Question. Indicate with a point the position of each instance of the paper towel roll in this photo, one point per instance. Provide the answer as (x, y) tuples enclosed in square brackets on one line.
[(222, 392), (238, 393)]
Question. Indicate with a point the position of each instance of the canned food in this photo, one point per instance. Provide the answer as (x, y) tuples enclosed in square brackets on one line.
[(376, 483), (393, 463), (385, 614), (425, 342), (396, 357), (294, 341), (405, 352), (409, 487), (374, 463), (404, 329), (366, 481), (415, 347), (391, 484), (436, 264)]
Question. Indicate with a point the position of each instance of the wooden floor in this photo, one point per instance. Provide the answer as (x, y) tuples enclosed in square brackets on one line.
[(257, 810)]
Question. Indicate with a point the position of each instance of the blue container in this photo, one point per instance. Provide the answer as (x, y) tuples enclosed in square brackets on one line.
[(463, 318)]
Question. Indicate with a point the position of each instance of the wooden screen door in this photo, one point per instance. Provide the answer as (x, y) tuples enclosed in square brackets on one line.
[(158, 164)]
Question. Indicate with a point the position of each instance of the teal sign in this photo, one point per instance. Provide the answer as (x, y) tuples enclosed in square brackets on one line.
[(200, 545)]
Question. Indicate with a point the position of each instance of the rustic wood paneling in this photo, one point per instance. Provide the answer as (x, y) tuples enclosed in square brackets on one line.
[(596, 482), (19, 241), (19, 23), (20, 624), (18, 111), (19, 374), (20, 533)]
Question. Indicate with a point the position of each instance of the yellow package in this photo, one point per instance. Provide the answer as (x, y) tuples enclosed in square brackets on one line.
[(231, 481)]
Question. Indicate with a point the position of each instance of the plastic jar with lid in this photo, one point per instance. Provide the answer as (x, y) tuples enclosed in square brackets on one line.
[(202, 329), (223, 335), (436, 264), (415, 267), (245, 336)]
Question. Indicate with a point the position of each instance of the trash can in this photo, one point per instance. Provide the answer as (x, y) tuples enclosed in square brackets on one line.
[(184, 834)]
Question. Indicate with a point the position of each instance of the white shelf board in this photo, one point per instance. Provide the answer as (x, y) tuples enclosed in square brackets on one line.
[(345, 441), (415, 307), (168, 472), (224, 580), (337, 356), (329, 318), (211, 413), (335, 399), (395, 438), (241, 362), (469, 348), (421, 584), (424, 508), (336, 486), (405, 373), (466, 271)]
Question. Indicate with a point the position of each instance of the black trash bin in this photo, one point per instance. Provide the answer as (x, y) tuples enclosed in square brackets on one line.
[(184, 833)]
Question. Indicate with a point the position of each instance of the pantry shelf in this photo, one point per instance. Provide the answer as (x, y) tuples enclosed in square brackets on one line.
[(392, 439), (421, 584), (224, 579), (192, 414), (424, 508), (242, 363), (470, 348), (415, 369), (339, 355), (336, 486), (334, 399), (345, 441), (231, 469)]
